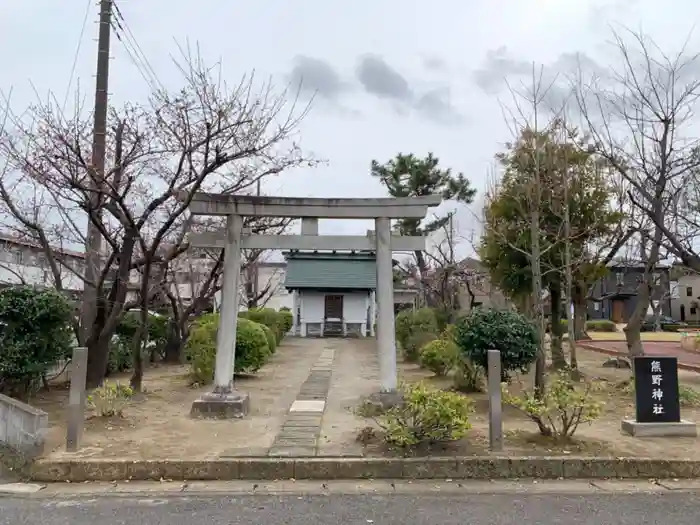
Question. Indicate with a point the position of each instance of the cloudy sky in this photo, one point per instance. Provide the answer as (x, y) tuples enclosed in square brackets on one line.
[(389, 76)]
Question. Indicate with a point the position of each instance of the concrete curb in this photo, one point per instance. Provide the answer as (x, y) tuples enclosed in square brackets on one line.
[(331, 468), (594, 348)]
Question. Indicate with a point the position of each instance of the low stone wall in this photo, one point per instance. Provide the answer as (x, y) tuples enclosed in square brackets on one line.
[(22, 427), (76, 471)]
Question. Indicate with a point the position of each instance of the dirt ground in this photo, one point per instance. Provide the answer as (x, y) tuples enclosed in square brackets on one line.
[(158, 425), (600, 438)]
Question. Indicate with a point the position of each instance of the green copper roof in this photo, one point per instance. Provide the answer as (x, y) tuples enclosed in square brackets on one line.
[(331, 270)]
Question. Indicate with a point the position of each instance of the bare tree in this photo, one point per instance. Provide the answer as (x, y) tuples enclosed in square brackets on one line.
[(639, 118), (207, 137)]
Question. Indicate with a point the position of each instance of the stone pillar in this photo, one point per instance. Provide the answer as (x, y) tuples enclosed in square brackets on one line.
[(224, 402), (309, 226), (295, 319), (372, 312), (385, 301)]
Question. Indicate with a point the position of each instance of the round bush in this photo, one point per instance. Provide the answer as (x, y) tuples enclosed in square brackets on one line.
[(410, 322), (287, 319), (439, 356), (509, 332), (34, 336), (252, 350), (271, 339), (411, 352), (267, 316), (201, 349)]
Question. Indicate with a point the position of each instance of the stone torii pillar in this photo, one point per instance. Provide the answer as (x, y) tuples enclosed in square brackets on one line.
[(224, 400)]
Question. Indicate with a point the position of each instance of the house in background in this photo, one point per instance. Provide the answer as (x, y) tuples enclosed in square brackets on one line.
[(333, 293), (24, 262), (685, 294), (615, 296), (479, 285)]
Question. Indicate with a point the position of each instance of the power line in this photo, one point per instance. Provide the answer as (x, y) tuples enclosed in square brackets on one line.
[(77, 54), (134, 50)]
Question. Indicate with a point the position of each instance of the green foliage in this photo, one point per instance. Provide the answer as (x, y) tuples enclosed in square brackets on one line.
[(560, 164), (439, 356), (110, 399), (252, 350), (287, 319), (271, 339), (273, 319), (120, 348), (562, 408), (601, 325), (688, 396), (34, 335), (448, 333), (411, 352), (201, 349), (120, 355), (410, 322), (426, 415), (510, 332), (467, 376), (410, 176)]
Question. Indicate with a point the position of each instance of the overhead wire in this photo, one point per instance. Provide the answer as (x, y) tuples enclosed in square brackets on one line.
[(77, 54), (133, 49)]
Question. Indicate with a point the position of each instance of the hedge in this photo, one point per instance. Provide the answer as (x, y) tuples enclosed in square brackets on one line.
[(252, 348)]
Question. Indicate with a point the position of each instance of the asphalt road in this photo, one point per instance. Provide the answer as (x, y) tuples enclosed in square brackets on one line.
[(519, 509)]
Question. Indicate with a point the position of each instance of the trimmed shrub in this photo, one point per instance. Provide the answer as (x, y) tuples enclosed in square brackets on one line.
[(252, 350), (409, 323), (439, 356), (287, 319), (271, 339), (411, 352), (201, 349), (601, 325), (34, 335), (509, 332), (267, 316), (426, 415)]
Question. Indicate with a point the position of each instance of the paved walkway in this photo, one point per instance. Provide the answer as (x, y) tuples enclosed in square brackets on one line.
[(301, 429), (321, 419)]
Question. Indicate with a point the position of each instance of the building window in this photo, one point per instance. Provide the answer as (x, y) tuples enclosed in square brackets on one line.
[(596, 306), (620, 278), (693, 310), (18, 256), (689, 291)]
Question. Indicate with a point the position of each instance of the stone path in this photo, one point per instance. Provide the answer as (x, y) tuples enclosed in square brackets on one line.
[(301, 429)]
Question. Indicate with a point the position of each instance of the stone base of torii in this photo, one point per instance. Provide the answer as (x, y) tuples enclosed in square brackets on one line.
[(224, 401)]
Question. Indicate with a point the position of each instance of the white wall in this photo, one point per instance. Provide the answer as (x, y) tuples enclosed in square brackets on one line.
[(313, 307)]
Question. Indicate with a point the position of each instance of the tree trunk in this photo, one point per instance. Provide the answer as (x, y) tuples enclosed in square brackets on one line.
[(558, 357), (98, 357), (634, 325), (136, 381), (580, 313), (174, 345)]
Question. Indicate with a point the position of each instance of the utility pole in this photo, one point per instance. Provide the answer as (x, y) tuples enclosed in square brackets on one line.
[(93, 238)]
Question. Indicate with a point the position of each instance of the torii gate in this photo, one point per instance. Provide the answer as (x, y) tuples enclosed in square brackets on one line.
[(224, 401)]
